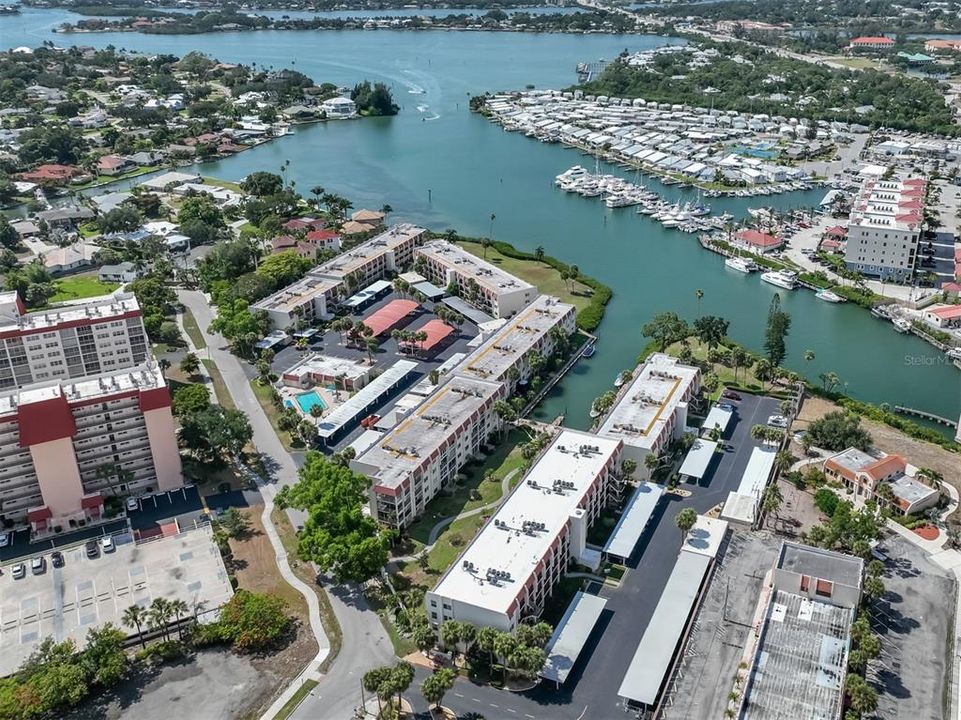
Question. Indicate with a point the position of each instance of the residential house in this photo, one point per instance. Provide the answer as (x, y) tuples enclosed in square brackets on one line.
[(944, 316), (62, 260), (866, 474), (52, 174), (121, 273), (758, 241), (339, 108), (113, 165)]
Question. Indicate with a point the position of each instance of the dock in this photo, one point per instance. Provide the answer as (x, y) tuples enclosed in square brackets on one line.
[(901, 410)]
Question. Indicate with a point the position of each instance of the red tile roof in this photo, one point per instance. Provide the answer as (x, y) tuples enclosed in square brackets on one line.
[(836, 231), (437, 331), (759, 239), (946, 312), (316, 236), (51, 172), (884, 467), (869, 40)]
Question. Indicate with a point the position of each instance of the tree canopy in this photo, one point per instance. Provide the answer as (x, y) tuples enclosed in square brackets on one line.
[(837, 431), (337, 535)]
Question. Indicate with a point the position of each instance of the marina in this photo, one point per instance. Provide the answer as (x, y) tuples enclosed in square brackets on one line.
[(477, 169)]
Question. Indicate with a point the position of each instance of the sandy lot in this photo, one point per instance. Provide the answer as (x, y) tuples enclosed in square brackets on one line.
[(917, 452)]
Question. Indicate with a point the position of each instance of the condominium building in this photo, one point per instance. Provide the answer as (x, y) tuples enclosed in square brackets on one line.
[(316, 295), (480, 283), (884, 228), (423, 454), (67, 444), (651, 411), (512, 566), (505, 356), (71, 341)]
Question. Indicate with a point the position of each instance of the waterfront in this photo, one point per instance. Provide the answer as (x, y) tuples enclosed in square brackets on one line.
[(439, 165)]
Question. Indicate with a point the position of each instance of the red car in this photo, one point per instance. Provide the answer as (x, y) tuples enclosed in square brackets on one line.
[(369, 421), (730, 395)]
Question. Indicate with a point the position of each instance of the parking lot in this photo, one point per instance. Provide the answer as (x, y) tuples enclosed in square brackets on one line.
[(721, 629), (87, 592), (914, 620)]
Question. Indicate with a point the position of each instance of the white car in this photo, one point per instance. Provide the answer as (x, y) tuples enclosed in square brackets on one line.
[(777, 421), (132, 504), (19, 571), (106, 544), (5, 539)]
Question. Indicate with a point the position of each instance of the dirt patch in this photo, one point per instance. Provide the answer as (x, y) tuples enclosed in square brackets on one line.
[(917, 452), (927, 532), (255, 566)]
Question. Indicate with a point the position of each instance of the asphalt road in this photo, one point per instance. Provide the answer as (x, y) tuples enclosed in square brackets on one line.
[(591, 690), (365, 642)]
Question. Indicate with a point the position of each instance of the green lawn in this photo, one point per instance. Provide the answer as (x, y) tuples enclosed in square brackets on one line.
[(295, 700), (453, 540), (505, 458), (225, 184), (745, 378), (80, 286), (193, 330), (220, 387), (547, 279), (270, 410)]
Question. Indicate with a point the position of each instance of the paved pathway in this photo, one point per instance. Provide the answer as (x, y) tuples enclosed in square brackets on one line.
[(439, 527), (365, 642)]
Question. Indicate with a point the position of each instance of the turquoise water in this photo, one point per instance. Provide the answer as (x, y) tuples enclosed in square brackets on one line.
[(309, 400), (438, 165)]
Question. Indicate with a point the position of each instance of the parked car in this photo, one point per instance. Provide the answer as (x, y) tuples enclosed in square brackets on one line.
[(5, 539), (132, 504), (730, 395), (106, 544), (879, 553), (777, 421), (19, 571), (56, 559), (38, 565), (726, 406), (92, 548)]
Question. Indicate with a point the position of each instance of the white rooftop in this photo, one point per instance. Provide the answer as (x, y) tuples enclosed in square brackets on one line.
[(633, 520), (706, 536), (329, 366), (147, 376), (757, 472), (429, 426), (717, 417), (506, 544), (521, 333), (346, 413), (94, 309), (698, 458), (464, 263), (645, 406)]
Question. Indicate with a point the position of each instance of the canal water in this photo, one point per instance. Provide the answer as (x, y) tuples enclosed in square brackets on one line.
[(439, 165)]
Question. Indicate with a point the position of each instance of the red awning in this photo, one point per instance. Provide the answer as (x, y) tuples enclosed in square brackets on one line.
[(389, 316)]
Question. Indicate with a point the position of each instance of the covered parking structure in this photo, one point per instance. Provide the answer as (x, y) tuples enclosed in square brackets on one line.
[(335, 425), (366, 297), (720, 418), (698, 459), (478, 317), (438, 332), (571, 635), (620, 545), (390, 316)]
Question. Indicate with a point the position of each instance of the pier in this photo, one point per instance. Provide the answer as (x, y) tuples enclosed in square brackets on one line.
[(901, 410)]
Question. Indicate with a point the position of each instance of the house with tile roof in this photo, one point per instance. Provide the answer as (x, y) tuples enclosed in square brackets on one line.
[(865, 474)]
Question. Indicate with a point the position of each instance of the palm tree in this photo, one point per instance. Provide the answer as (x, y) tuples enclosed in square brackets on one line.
[(738, 358), (179, 609), (490, 232), (486, 641), (539, 252), (685, 520), (318, 192), (387, 210), (772, 499), (135, 617), (371, 344), (158, 616)]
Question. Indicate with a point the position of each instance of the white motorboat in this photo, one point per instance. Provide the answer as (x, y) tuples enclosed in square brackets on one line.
[(902, 325), (619, 380), (740, 264), (782, 278), (589, 350), (829, 296)]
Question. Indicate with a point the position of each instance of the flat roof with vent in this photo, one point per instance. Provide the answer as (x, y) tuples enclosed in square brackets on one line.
[(469, 265), (645, 407), (521, 333), (496, 565), (421, 435), (90, 310)]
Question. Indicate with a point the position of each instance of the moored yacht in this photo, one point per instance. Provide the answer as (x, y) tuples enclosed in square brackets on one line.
[(740, 264), (829, 296), (782, 278)]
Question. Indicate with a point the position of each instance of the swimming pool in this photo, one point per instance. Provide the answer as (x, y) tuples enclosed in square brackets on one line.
[(308, 400)]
